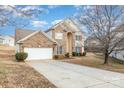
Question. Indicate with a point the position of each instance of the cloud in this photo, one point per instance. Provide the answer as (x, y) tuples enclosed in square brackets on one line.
[(31, 10), (53, 6), (87, 7), (23, 11), (78, 7), (56, 21), (33, 7), (38, 23), (7, 7), (27, 8)]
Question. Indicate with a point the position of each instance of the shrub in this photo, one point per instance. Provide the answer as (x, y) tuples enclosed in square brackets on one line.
[(79, 54), (67, 55), (21, 56), (74, 54), (84, 53), (61, 56), (56, 57)]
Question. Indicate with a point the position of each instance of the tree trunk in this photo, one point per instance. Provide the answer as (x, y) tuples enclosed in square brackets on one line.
[(106, 58)]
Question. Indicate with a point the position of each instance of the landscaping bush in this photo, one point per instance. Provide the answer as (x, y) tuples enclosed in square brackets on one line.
[(74, 54), (21, 56), (78, 54), (67, 55), (61, 56), (84, 53), (81, 54), (56, 57)]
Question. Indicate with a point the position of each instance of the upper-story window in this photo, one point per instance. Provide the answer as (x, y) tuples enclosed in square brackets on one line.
[(78, 37), (58, 35)]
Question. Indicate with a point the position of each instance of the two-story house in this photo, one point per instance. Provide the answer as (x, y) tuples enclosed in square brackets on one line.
[(64, 37), (92, 44), (68, 36)]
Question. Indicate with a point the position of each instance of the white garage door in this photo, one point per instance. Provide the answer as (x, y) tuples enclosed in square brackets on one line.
[(38, 53)]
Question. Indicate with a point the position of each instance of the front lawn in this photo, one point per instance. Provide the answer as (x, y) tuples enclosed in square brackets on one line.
[(13, 75), (96, 60)]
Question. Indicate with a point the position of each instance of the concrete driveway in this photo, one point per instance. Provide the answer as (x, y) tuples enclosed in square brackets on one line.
[(65, 75)]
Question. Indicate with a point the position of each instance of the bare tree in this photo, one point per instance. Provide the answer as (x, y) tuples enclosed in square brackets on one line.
[(104, 23)]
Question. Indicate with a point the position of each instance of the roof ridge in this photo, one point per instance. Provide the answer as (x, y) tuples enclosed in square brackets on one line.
[(34, 34), (24, 29), (47, 36), (27, 36), (56, 24)]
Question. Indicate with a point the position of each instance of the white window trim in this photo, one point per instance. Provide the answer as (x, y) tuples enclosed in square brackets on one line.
[(58, 35)]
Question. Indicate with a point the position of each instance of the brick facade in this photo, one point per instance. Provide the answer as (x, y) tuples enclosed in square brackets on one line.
[(37, 41), (63, 42), (65, 29)]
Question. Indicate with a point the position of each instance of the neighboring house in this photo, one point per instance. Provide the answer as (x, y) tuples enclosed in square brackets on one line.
[(64, 37), (7, 40), (120, 53), (92, 44), (1, 40)]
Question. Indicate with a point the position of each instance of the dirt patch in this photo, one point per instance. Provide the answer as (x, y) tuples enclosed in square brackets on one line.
[(20, 75)]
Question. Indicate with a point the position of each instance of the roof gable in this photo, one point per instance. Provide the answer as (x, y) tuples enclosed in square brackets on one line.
[(71, 25), (21, 33), (67, 25), (34, 33)]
